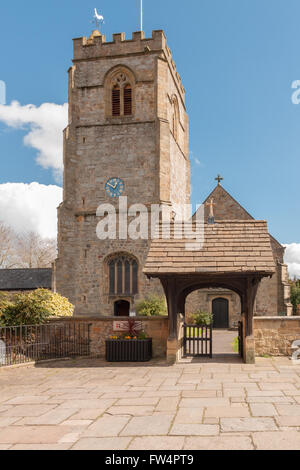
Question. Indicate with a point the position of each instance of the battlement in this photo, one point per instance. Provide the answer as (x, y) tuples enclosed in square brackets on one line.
[(96, 47)]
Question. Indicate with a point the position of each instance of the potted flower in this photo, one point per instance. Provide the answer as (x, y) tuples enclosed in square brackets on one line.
[(132, 346)]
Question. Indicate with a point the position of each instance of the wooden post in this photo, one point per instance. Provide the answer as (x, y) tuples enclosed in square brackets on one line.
[(172, 308), (248, 304), (173, 343), (169, 286)]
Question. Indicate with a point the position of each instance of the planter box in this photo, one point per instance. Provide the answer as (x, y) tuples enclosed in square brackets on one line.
[(131, 350)]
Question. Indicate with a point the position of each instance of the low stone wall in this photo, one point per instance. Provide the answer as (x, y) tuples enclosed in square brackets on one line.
[(274, 335), (102, 327)]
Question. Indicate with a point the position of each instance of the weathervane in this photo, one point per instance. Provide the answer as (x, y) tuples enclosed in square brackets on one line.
[(98, 19)]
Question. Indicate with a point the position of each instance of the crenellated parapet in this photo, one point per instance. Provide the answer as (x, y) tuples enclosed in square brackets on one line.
[(96, 47)]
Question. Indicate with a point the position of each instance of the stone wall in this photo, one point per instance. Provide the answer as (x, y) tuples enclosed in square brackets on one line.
[(102, 327), (202, 300), (275, 335)]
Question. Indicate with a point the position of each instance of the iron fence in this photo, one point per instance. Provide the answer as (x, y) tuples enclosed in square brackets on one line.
[(33, 343)]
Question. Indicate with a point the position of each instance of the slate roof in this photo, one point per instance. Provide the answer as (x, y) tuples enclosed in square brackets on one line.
[(25, 279), (229, 246)]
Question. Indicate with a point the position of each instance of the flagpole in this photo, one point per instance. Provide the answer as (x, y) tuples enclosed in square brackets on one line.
[(141, 15)]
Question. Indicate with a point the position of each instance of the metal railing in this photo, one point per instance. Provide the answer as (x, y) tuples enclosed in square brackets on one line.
[(33, 343)]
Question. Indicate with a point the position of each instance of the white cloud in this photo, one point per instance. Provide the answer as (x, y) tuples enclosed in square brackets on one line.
[(44, 125), (292, 259), (30, 207), (195, 159)]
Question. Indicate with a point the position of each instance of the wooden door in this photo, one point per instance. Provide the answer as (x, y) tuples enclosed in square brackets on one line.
[(220, 310)]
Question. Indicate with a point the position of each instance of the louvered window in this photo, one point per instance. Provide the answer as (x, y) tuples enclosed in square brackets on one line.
[(127, 101), (116, 101)]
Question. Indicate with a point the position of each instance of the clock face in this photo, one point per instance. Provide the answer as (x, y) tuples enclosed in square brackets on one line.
[(114, 187)]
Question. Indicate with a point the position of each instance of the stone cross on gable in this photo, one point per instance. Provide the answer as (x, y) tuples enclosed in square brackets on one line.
[(211, 205)]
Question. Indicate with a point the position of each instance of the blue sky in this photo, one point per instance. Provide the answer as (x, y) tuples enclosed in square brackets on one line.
[(237, 59)]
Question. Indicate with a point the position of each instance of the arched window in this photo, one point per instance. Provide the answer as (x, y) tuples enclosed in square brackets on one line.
[(123, 275), (120, 85)]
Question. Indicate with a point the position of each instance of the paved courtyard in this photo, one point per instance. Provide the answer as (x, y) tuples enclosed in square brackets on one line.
[(87, 404)]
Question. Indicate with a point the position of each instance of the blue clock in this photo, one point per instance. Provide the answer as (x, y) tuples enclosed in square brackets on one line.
[(114, 187)]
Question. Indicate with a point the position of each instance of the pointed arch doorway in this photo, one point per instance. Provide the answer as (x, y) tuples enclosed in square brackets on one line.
[(122, 308), (220, 311)]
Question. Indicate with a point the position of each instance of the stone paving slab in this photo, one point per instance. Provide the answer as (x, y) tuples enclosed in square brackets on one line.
[(194, 430), (131, 410), (148, 425), (219, 443), (43, 447), (32, 434), (107, 426), (106, 443), (157, 443), (88, 404), (247, 424), (287, 440)]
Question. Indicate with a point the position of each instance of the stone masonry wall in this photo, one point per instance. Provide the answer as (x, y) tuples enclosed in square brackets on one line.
[(102, 328), (202, 300), (275, 335)]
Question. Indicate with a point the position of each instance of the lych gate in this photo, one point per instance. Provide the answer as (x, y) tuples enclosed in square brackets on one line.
[(235, 255)]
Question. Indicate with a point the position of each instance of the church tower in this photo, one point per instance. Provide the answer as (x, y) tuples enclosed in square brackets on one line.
[(127, 136)]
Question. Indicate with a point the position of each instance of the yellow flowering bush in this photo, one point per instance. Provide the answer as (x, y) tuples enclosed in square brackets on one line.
[(35, 308)]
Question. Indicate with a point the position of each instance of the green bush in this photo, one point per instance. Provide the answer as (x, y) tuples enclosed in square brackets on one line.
[(35, 308), (5, 302), (201, 318), (152, 306), (295, 296)]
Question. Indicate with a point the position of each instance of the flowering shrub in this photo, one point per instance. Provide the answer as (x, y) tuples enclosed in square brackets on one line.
[(35, 308)]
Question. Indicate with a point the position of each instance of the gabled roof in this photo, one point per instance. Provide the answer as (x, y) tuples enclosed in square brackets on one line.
[(228, 208), (25, 279), (232, 246)]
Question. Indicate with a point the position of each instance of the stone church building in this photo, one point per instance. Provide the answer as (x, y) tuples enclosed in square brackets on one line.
[(273, 296), (128, 135)]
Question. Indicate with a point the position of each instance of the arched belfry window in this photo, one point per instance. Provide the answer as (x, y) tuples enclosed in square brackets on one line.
[(120, 86), (123, 275), (121, 96)]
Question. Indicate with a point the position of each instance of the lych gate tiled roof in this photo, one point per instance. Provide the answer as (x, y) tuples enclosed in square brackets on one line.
[(25, 279), (229, 246)]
